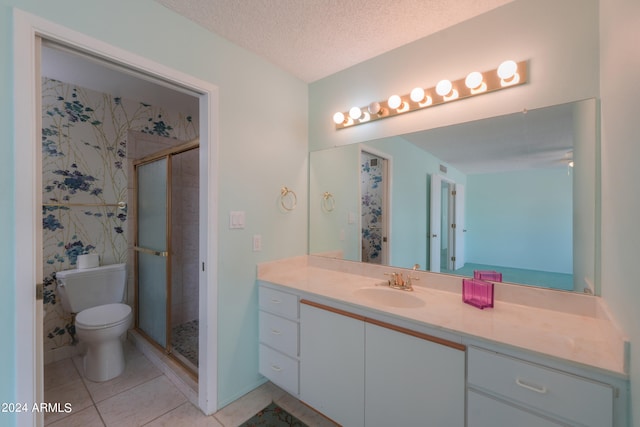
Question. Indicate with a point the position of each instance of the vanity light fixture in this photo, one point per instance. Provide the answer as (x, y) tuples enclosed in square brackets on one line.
[(417, 95), (375, 108), (445, 89), (338, 118), (420, 97), (355, 113), (475, 82), (508, 74), (394, 102)]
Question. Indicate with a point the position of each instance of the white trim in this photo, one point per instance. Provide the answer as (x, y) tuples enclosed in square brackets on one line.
[(27, 179), (26, 201)]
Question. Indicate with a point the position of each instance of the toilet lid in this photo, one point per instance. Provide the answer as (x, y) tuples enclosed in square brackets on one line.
[(103, 315)]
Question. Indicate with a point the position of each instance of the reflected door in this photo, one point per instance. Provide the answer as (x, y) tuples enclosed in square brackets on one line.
[(152, 249), (446, 225), (374, 208), (435, 223), (459, 231)]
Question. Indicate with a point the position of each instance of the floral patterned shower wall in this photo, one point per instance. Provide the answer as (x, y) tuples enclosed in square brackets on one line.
[(372, 191), (84, 162)]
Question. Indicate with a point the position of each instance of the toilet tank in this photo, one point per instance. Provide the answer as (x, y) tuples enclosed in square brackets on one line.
[(90, 287)]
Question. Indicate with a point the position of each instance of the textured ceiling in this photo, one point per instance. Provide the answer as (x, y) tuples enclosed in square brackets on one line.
[(535, 139), (315, 38)]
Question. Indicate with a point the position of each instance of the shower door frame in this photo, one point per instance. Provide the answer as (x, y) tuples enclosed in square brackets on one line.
[(162, 154)]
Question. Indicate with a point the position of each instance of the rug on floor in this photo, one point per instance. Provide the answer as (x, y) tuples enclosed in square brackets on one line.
[(273, 416), (184, 339)]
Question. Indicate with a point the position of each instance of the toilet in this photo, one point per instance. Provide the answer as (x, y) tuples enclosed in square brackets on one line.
[(96, 295)]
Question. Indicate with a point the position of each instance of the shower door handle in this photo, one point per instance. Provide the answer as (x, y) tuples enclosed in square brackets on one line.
[(150, 251)]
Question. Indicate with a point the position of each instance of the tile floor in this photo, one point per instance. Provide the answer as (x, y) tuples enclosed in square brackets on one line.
[(144, 396)]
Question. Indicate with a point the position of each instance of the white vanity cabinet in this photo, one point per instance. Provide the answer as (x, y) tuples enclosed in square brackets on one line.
[(332, 364), (411, 381), (279, 336), (362, 372), (503, 388)]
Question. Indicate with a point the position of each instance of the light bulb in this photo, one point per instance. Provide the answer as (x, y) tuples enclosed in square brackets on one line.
[(355, 113), (338, 118), (444, 87), (473, 80), (374, 108), (417, 94), (507, 70), (394, 101)]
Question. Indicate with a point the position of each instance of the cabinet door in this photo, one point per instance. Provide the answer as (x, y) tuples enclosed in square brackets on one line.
[(331, 364), (410, 381), (484, 411)]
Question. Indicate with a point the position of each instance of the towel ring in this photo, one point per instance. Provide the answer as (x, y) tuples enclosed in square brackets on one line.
[(293, 199), (328, 202)]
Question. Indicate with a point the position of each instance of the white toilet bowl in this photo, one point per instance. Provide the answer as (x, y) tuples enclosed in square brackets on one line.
[(100, 328)]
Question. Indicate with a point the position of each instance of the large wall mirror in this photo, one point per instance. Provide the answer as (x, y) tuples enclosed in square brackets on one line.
[(515, 194)]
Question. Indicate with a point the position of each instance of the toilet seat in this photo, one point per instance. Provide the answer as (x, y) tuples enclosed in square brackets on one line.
[(103, 316)]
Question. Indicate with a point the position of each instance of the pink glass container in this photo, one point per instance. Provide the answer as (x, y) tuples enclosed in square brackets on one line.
[(491, 275), (477, 293)]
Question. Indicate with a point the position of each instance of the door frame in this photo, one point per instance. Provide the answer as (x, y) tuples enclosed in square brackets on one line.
[(28, 197)]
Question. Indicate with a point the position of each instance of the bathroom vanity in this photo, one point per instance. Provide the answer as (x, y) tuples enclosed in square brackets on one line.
[(335, 336)]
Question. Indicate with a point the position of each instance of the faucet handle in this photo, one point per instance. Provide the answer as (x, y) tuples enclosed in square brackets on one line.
[(393, 279), (396, 279)]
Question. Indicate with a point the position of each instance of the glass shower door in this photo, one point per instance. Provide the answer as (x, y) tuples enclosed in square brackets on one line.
[(152, 249)]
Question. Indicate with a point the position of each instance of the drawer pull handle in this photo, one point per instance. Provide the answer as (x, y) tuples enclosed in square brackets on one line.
[(276, 332), (541, 390), (276, 368), (275, 301)]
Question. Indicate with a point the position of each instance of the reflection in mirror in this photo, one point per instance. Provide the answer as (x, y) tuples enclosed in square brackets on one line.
[(514, 194)]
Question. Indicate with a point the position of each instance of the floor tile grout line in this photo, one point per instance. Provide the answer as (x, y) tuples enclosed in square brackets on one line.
[(128, 388), (84, 383)]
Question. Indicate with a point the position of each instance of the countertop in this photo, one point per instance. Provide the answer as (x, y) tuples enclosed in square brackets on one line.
[(587, 340)]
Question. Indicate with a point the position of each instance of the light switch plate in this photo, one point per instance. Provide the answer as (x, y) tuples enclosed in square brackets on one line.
[(236, 219)]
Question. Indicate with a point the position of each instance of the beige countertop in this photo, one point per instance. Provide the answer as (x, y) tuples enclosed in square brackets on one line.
[(590, 340)]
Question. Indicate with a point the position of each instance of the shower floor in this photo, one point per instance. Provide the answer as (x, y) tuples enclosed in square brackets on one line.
[(184, 339)]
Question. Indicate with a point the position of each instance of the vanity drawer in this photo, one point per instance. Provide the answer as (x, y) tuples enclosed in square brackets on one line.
[(278, 302), (483, 411), (280, 369), (554, 392), (279, 333)]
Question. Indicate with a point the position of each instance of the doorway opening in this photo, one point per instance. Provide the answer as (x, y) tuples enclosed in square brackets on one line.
[(446, 225), (29, 31), (374, 207)]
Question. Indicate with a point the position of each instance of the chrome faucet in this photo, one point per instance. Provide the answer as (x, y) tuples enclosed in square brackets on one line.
[(398, 282)]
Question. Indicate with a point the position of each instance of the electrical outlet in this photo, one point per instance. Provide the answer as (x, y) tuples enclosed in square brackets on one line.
[(257, 243)]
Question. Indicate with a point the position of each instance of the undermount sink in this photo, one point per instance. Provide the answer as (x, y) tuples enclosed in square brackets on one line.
[(389, 297)]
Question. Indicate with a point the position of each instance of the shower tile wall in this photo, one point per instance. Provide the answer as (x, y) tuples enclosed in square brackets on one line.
[(185, 237), (84, 147)]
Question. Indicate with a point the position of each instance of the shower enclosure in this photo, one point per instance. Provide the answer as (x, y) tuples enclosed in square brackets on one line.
[(166, 248)]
